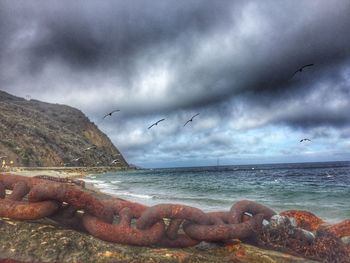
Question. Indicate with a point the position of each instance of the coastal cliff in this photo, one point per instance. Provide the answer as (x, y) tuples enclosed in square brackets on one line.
[(40, 134)]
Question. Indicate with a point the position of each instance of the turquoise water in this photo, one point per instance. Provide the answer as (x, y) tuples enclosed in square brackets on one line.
[(322, 188)]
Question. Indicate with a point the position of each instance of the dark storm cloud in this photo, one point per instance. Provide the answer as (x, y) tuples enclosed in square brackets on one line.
[(317, 102), (5, 29), (91, 33), (210, 51), (319, 118)]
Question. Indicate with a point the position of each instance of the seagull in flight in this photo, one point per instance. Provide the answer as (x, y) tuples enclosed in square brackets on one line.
[(191, 119), (156, 123), (305, 140), (76, 159), (90, 148), (301, 69), (115, 161), (110, 114)]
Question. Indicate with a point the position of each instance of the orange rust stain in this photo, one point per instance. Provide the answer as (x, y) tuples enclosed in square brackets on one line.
[(110, 254), (236, 249), (311, 222), (304, 219), (231, 247), (341, 229), (246, 218), (241, 252), (177, 210), (180, 256)]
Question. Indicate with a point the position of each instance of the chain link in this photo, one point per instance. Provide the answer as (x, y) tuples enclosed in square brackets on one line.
[(12, 205)]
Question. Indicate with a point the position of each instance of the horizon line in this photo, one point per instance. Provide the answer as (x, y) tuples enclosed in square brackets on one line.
[(249, 164)]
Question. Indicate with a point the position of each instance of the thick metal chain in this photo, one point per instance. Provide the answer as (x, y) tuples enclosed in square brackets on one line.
[(14, 207), (121, 221)]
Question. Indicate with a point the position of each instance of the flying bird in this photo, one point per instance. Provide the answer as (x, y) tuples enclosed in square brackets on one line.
[(76, 159), (301, 69), (90, 148), (115, 161), (305, 140), (110, 114), (191, 119), (156, 123)]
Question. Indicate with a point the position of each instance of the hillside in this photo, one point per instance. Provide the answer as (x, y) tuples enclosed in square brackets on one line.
[(35, 133)]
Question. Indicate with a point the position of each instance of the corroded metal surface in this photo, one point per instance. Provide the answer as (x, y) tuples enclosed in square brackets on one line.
[(123, 233), (22, 210), (304, 219), (246, 206), (282, 234), (341, 229), (2, 191), (171, 211), (72, 195), (61, 180), (221, 232), (19, 190), (14, 207)]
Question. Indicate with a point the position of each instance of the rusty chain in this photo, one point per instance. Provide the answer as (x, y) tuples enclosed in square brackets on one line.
[(14, 207), (117, 220)]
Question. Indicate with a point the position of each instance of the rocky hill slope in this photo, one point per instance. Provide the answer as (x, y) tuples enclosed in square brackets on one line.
[(35, 133)]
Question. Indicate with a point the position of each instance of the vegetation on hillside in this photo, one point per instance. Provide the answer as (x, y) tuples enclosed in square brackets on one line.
[(35, 133)]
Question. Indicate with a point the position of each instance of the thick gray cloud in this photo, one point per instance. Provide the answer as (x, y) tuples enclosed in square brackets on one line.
[(233, 61)]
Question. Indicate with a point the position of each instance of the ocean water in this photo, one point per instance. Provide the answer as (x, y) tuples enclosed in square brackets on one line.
[(321, 188)]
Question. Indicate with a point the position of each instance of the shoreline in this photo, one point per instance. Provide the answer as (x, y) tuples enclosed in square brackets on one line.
[(62, 172)]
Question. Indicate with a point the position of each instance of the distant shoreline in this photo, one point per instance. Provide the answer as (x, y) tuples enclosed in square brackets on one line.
[(245, 165)]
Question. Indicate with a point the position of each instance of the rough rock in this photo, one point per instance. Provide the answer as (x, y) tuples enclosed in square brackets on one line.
[(283, 234)]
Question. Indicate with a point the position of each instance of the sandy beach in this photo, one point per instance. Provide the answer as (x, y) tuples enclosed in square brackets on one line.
[(60, 172)]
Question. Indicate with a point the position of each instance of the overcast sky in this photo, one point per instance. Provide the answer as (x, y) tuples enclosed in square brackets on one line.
[(231, 61)]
